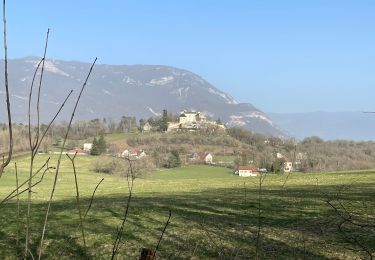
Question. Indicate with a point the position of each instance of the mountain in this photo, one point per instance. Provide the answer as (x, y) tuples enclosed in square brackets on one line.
[(356, 126), (117, 90)]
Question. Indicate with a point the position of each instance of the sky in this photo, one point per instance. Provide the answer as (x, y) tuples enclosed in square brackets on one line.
[(280, 55)]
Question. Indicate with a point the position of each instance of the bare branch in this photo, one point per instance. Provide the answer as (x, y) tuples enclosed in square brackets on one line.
[(40, 85), (92, 197), (130, 179), (32, 186), (260, 189), (29, 109), (18, 205), (59, 161), (162, 233), (10, 150), (348, 217), (33, 147), (293, 165), (51, 122), (11, 195), (77, 198)]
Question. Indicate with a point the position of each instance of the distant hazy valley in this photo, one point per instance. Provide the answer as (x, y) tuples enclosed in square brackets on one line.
[(356, 126)]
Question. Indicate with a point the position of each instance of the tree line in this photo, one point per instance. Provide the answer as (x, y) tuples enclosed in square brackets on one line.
[(309, 154)]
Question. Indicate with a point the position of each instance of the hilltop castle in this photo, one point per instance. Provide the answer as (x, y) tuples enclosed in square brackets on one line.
[(192, 120)]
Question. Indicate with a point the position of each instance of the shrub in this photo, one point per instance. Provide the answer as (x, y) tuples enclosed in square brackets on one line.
[(120, 166), (109, 165)]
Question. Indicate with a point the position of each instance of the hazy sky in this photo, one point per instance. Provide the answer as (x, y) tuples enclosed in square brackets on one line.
[(280, 55)]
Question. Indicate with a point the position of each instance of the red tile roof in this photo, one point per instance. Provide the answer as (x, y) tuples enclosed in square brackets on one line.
[(78, 151), (248, 168)]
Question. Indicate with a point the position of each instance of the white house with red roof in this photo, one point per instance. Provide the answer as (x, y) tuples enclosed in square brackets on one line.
[(133, 153), (247, 171)]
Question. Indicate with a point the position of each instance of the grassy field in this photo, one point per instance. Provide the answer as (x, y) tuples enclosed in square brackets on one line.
[(214, 214)]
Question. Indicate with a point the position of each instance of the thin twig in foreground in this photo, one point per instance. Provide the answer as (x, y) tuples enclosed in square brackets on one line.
[(10, 129), (77, 197), (59, 162), (33, 149), (130, 179), (11, 195), (92, 197), (18, 205), (162, 233), (292, 168), (260, 189)]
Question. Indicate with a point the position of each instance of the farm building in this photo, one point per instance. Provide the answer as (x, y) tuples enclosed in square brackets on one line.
[(247, 171), (87, 147)]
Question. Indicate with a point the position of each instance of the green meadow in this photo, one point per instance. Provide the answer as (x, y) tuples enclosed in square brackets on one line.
[(215, 215)]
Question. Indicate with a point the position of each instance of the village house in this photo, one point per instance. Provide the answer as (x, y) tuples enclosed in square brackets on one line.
[(128, 153), (208, 158), (288, 166), (146, 127), (133, 153), (247, 171), (87, 147)]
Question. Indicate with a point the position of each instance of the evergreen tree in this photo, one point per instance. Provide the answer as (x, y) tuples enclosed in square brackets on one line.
[(164, 121), (94, 148), (174, 159), (102, 146)]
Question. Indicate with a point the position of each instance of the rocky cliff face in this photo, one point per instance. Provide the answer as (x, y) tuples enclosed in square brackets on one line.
[(139, 90)]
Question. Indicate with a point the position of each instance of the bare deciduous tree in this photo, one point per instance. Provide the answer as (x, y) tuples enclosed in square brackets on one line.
[(6, 85)]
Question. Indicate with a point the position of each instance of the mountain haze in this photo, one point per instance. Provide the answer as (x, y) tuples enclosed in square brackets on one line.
[(117, 90), (356, 126)]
